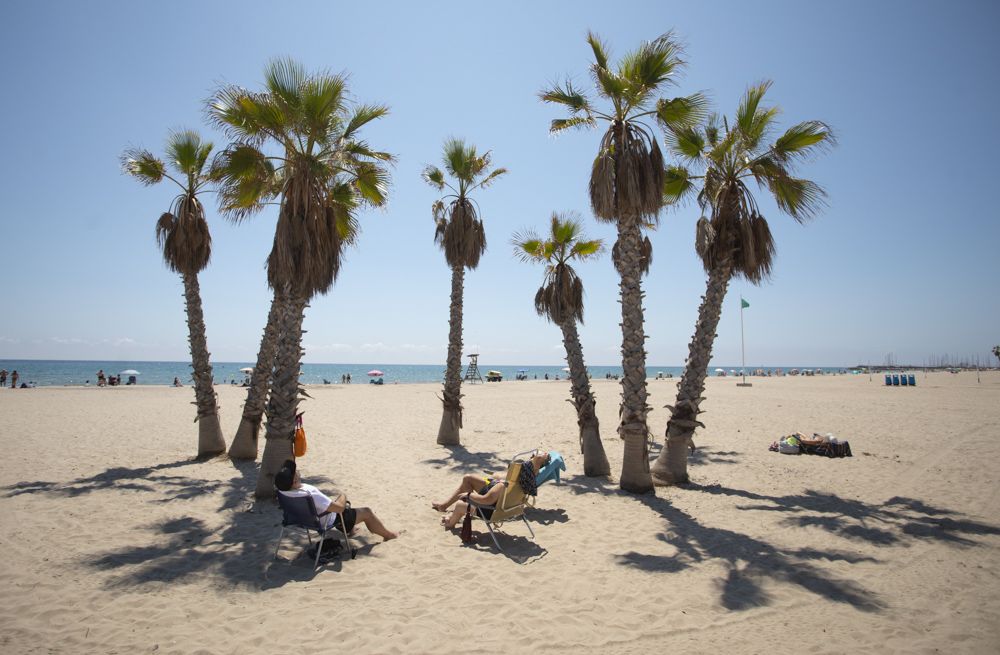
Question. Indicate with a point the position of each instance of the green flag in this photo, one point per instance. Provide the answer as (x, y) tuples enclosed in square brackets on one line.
[(743, 303)]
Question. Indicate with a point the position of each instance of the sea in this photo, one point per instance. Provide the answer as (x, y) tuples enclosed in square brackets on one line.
[(47, 373)]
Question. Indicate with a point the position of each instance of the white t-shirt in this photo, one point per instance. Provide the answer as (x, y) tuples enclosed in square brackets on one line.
[(320, 500)]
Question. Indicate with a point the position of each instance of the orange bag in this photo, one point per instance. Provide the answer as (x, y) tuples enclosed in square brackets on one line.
[(299, 447)]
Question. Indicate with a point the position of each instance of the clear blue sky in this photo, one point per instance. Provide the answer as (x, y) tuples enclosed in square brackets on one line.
[(903, 261)]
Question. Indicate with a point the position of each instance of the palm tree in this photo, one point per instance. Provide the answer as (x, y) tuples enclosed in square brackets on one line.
[(244, 445), (459, 231), (996, 353), (733, 240), (322, 173), (560, 300), (626, 188), (183, 235)]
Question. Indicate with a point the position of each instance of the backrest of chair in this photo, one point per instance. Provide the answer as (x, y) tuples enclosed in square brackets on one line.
[(512, 501), (299, 509)]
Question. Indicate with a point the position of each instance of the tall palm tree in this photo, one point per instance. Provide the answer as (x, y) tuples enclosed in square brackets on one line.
[(733, 240), (245, 443), (626, 188), (996, 353), (560, 300), (183, 235), (321, 172), (459, 231)]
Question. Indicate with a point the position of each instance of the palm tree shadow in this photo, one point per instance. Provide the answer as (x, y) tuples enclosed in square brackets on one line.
[(120, 478), (462, 460), (751, 561)]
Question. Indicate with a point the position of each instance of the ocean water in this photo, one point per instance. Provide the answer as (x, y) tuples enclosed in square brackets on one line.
[(80, 373)]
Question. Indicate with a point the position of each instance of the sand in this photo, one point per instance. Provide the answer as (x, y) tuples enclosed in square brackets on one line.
[(115, 540)]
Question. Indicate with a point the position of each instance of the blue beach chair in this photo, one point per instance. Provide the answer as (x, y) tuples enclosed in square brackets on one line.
[(551, 470)]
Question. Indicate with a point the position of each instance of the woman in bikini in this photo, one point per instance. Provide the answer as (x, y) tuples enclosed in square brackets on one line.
[(482, 491)]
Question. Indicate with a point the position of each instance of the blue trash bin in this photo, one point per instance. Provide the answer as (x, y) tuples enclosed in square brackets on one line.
[(913, 380), (888, 380), (895, 380)]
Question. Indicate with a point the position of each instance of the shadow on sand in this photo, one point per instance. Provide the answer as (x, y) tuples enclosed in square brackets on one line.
[(751, 562), (240, 551)]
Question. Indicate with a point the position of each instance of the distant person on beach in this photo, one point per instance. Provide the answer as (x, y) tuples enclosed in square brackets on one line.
[(3, 377), (177, 382), (289, 483), (348, 378), (13, 380), (101, 380), (487, 491)]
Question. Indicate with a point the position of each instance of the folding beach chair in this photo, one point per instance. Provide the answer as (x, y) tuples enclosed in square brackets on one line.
[(299, 511), (511, 505)]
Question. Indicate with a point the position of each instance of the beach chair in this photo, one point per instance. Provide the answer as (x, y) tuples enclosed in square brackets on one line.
[(888, 380), (552, 469), (511, 505), (299, 511)]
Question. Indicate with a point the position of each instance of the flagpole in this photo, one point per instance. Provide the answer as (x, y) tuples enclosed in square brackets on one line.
[(743, 346)]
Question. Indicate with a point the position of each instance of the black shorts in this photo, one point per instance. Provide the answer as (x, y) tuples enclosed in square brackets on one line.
[(487, 510), (349, 516)]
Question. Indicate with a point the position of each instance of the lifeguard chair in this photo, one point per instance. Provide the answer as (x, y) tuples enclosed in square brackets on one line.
[(472, 373)]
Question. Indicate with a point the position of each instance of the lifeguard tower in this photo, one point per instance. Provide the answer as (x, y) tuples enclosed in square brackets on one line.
[(472, 373)]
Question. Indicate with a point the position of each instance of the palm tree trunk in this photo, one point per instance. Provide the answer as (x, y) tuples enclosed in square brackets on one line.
[(283, 402), (244, 446), (451, 419), (595, 461), (633, 430), (671, 465), (210, 439)]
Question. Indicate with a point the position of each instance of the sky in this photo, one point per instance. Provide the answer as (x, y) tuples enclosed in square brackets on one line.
[(903, 261)]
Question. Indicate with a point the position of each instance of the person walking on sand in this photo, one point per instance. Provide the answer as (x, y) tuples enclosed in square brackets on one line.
[(13, 380), (3, 376), (101, 380), (289, 483)]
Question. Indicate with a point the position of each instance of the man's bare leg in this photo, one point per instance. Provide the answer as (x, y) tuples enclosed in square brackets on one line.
[(374, 525)]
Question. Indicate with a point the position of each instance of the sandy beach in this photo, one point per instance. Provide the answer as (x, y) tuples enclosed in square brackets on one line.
[(115, 540)]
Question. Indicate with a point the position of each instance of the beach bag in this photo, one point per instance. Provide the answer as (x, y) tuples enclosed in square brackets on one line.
[(467, 523), (789, 446), (300, 437)]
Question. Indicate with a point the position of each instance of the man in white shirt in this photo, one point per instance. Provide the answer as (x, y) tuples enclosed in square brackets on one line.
[(289, 483)]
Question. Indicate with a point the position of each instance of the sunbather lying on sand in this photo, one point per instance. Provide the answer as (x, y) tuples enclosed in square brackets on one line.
[(484, 492)]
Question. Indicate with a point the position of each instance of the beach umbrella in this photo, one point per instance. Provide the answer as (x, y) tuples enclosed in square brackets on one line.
[(246, 369), (130, 371), (375, 373), (566, 368)]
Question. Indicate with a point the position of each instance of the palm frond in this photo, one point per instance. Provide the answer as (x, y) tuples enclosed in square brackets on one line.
[(746, 112), (800, 199), (284, 78), (363, 115), (186, 152), (677, 184), (561, 124), (683, 112), (803, 140), (567, 96), (433, 176), (142, 165), (493, 175), (650, 66), (686, 142), (599, 49), (528, 247), (372, 182)]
